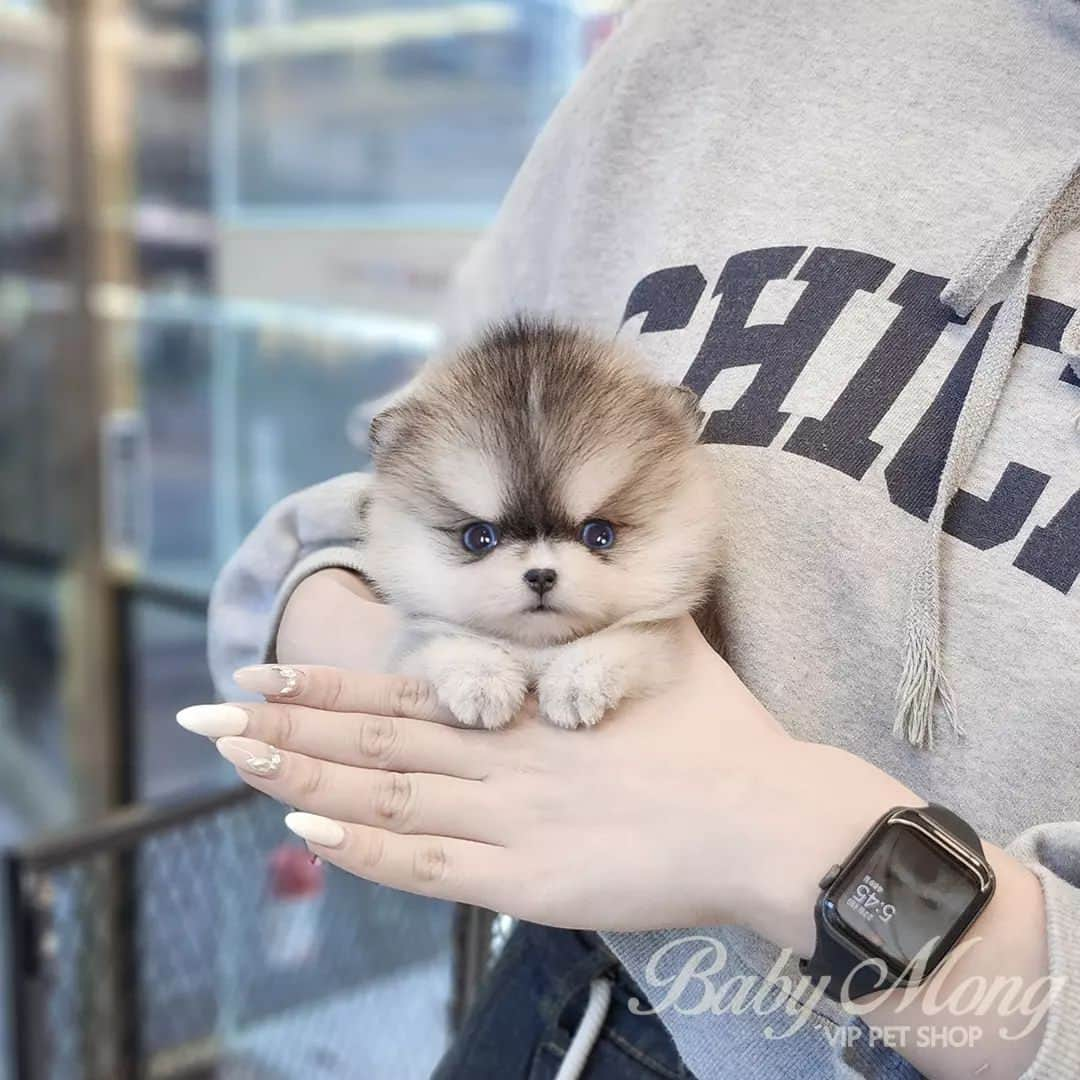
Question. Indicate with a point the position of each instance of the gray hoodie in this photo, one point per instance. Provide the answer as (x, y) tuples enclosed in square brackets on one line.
[(853, 229)]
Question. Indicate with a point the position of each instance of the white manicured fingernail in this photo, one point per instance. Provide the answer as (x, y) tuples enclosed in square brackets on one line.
[(214, 721), (315, 829)]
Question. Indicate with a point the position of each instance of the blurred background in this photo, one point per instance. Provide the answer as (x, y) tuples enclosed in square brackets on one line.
[(224, 225)]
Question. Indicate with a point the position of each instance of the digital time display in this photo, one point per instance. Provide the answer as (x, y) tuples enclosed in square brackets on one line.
[(902, 894)]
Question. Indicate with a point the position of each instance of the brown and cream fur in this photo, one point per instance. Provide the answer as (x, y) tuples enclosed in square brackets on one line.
[(538, 429)]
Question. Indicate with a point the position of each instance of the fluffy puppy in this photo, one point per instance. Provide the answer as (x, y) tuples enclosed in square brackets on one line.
[(541, 511)]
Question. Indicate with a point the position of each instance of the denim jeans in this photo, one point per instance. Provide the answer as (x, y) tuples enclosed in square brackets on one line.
[(530, 1008)]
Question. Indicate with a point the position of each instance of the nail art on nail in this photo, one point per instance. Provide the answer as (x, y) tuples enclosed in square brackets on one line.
[(266, 766), (213, 721), (252, 756), (290, 679), (273, 680)]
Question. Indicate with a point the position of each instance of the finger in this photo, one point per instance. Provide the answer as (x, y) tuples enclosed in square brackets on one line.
[(345, 691), (364, 739), (438, 866), (402, 802)]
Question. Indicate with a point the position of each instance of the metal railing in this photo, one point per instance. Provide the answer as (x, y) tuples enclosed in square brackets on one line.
[(196, 939)]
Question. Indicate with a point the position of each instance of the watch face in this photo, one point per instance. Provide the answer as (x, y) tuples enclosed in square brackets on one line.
[(903, 892)]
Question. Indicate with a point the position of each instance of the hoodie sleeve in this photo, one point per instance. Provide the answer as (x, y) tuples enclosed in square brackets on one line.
[(313, 529), (1052, 852)]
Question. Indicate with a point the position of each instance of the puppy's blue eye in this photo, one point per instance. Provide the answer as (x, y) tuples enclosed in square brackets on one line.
[(480, 537), (598, 535)]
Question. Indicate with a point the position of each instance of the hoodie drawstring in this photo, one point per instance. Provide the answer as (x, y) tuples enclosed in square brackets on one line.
[(588, 1030), (1047, 211)]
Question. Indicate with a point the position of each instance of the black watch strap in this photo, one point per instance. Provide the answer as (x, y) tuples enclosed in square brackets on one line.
[(836, 964), (831, 958)]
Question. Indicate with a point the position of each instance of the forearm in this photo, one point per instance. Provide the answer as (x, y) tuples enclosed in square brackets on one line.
[(937, 1026), (334, 618)]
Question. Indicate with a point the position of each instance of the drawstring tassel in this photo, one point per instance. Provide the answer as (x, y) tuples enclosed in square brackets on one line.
[(1048, 211), (923, 681)]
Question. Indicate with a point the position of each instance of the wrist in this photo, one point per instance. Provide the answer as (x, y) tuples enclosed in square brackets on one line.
[(835, 798), (1005, 946), (334, 618)]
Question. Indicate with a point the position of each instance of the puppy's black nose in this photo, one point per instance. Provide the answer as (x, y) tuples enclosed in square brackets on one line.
[(540, 580)]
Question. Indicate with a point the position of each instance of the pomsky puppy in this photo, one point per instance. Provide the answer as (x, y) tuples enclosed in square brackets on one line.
[(541, 511)]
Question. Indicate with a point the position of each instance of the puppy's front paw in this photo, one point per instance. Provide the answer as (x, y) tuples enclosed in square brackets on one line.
[(577, 689), (482, 696), (481, 683)]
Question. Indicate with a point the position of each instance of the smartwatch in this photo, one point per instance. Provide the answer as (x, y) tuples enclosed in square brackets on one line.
[(892, 911)]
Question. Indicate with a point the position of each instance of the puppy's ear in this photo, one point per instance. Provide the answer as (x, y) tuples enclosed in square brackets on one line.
[(383, 430), (690, 403), (387, 417)]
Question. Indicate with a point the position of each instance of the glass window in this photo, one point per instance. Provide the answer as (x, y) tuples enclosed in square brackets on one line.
[(281, 189), (34, 293), (417, 110), (36, 778)]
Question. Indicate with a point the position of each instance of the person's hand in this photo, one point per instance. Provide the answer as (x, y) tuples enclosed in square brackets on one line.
[(690, 808)]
